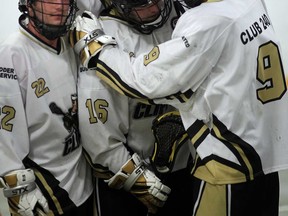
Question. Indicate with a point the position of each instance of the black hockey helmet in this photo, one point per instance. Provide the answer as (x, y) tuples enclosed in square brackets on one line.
[(126, 7), (48, 30), (191, 3)]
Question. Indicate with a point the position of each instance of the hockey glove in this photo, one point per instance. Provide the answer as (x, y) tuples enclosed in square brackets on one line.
[(22, 193), (88, 39), (142, 183), (170, 135)]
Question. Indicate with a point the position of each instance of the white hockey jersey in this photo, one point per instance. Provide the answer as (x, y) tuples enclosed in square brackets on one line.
[(224, 61), (39, 123), (113, 126)]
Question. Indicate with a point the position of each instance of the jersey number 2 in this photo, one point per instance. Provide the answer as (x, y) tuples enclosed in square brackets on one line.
[(9, 115)]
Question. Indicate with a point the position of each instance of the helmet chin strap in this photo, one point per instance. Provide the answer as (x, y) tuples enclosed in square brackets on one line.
[(51, 32), (155, 21), (154, 24)]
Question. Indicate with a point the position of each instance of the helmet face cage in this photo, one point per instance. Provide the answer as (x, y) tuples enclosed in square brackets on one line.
[(50, 31), (128, 9)]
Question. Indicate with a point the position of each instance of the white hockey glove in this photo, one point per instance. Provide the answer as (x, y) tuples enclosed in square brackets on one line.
[(88, 39), (23, 194), (141, 182)]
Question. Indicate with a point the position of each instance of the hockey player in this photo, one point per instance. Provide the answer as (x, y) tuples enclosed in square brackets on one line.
[(116, 130), (224, 66), (43, 170)]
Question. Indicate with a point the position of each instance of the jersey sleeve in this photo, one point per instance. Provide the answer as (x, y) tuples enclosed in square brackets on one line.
[(163, 72), (14, 139), (104, 123)]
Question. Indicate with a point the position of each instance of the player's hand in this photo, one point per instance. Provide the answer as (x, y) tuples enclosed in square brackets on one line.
[(87, 38), (142, 183), (22, 193)]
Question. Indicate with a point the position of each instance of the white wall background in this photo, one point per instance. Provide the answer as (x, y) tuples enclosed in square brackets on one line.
[(9, 14), (277, 10)]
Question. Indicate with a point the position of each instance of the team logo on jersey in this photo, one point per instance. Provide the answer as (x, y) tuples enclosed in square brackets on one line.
[(70, 122), (145, 111)]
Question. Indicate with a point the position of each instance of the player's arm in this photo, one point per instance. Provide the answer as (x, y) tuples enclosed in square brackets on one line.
[(18, 183), (161, 73), (104, 125), (24, 197), (106, 133)]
